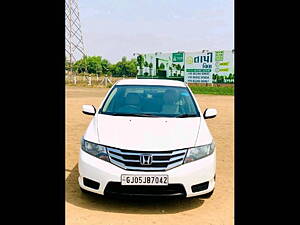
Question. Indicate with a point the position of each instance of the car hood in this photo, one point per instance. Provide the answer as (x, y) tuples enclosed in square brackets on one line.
[(147, 133)]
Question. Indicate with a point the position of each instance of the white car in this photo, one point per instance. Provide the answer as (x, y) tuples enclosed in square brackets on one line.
[(148, 138)]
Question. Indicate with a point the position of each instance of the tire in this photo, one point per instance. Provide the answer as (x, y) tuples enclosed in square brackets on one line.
[(207, 195)]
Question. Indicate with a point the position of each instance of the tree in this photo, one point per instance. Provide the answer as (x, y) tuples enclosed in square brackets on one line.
[(111, 69), (150, 68), (80, 65), (89, 64), (175, 68), (217, 78), (132, 68), (97, 65), (214, 77), (230, 77), (162, 66), (178, 68), (171, 69), (221, 79), (67, 65), (140, 61), (124, 68), (146, 66), (105, 66)]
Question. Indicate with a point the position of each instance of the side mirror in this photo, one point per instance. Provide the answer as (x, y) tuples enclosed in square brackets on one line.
[(89, 109), (210, 113)]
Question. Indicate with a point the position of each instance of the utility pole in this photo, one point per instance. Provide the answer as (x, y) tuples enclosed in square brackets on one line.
[(74, 47)]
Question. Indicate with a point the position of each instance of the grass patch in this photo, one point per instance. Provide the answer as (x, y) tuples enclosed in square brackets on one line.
[(217, 90), (212, 90)]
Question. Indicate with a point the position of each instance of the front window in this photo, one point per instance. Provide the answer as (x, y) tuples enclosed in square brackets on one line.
[(150, 100)]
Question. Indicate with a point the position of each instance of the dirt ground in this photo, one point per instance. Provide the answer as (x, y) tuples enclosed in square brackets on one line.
[(82, 209)]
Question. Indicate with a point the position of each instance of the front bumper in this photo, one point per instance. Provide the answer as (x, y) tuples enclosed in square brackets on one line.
[(186, 175)]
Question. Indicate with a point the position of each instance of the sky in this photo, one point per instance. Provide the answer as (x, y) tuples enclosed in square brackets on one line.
[(116, 28)]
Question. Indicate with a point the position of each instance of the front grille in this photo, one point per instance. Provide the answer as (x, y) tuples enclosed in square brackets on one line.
[(115, 188), (161, 161)]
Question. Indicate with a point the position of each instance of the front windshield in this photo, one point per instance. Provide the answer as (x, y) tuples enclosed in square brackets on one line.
[(150, 100)]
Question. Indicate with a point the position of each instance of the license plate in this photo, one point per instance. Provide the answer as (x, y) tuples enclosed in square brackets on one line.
[(144, 179)]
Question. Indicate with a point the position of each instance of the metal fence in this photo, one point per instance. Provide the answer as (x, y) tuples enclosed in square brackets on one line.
[(92, 80)]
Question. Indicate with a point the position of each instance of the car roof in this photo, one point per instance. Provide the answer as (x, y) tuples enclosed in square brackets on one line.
[(161, 82)]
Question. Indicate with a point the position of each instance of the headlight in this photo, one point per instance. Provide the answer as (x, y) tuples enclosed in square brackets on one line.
[(96, 150), (199, 152)]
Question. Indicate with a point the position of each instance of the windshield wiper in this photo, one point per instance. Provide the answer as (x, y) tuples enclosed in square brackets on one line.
[(148, 115), (186, 115), (133, 114)]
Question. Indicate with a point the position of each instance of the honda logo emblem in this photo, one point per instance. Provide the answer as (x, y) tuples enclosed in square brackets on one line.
[(146, 159)]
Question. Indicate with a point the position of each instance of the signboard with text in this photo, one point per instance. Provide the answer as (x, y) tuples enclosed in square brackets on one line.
[(192, 67), (209, 67)]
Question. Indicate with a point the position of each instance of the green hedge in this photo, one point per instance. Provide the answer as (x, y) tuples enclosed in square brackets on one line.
[(212, 90)]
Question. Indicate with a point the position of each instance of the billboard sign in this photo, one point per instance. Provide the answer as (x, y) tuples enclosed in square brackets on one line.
[(199, 66), (192, 67), (162, 65)]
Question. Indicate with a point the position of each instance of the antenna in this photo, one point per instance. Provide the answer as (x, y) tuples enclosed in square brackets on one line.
[(74, 47)]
